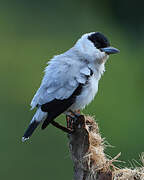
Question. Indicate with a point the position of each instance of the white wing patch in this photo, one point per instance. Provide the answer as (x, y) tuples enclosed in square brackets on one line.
[(83, 75), (86, 71), (81, 79)]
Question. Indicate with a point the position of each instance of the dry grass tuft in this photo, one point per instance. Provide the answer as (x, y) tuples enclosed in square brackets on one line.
[(90, 161)]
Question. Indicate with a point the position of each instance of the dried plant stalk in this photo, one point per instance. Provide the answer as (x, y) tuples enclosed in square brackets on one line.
[(87, 151)]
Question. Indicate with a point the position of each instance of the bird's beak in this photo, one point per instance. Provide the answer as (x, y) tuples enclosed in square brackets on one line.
[(110, 50)]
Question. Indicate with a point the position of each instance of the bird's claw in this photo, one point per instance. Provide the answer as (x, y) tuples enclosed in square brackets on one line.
[(75, 114), (73, 120)]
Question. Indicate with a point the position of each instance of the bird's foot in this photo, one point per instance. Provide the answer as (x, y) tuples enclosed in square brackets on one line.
[(75, 114), (73, 119)]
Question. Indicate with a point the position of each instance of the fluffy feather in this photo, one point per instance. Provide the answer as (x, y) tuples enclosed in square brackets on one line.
[(82, 65)]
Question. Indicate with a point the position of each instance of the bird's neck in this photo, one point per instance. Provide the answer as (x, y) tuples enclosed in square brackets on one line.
[(97, 67)]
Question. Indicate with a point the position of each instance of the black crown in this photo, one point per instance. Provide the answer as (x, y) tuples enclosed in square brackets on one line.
[(99, 40)]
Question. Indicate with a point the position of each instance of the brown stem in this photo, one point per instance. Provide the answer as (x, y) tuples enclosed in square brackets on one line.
[(87, 151)]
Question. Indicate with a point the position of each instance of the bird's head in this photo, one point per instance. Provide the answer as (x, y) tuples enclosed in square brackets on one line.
[(95, 47)]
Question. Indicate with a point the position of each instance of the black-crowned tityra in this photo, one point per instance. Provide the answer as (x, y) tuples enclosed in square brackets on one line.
[(71, 80)]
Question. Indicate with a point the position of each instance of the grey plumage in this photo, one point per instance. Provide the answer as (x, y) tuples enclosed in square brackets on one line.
[(67, 71)]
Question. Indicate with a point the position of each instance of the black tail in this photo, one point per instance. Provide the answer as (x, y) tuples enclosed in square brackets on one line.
[(30, 130)]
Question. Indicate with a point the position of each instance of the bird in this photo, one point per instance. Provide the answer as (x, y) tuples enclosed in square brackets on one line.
[(70, 80)]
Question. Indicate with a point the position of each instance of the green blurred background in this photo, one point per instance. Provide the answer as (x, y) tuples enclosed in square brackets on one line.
[(31, 32)]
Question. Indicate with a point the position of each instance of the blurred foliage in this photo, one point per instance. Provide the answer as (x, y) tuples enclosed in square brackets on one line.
[(31, 33)]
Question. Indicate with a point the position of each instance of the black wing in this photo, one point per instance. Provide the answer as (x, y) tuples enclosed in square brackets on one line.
[(57, 107)]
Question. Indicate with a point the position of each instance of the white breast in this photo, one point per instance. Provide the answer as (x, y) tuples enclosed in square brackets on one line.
[(87, 95)]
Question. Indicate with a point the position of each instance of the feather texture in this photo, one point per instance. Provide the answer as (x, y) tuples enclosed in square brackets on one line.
[(57, 107), (70, 82), (62, 77)]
